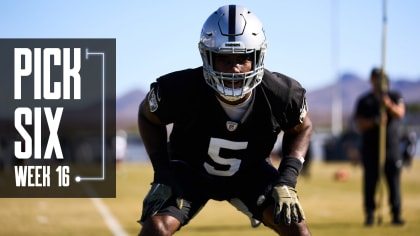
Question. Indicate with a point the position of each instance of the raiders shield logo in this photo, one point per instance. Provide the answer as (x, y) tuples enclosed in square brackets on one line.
[(231, 126), (153, 103), (303, 110)]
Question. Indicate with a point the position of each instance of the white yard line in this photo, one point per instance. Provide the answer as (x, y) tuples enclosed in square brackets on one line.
[(112, 223), (110, 220)]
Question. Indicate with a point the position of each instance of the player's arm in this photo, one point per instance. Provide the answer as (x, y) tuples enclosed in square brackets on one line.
[(296, 140), (154, 135), (295, 145)]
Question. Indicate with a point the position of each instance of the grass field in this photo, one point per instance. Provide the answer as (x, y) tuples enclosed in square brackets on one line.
[(332, 208)]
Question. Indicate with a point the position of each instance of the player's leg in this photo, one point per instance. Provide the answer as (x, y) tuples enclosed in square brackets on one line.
[(171, 217), (267, 218), (160, 225), (186, 201), (256, 183)]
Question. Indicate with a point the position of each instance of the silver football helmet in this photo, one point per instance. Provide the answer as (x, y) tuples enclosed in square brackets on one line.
[(232, 29)]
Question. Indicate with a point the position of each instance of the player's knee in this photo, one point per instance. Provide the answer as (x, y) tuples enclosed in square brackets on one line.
[(304, 230), (159, 226), (293, 229)]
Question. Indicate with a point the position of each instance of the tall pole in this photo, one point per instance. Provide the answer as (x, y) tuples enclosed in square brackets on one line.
[(336, 103), (382, 127)]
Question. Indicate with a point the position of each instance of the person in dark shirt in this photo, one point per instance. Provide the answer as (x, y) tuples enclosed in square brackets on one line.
[(368, 120), (226, 116)]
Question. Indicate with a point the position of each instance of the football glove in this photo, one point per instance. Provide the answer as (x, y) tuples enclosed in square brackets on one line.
[(286, 205), (154, 200)]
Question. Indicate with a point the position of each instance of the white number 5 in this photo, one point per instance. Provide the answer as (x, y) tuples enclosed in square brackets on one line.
[(214, 153)]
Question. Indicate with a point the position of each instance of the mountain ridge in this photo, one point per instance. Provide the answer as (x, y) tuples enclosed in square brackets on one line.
[(319, 100), (351, 87)]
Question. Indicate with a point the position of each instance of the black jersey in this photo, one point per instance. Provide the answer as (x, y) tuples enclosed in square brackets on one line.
[(206, 138)]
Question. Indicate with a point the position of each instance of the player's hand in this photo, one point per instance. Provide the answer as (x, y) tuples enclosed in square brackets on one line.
[(154, 200), (286, 205)]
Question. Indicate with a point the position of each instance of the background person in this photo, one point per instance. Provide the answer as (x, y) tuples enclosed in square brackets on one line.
[(368, 120)]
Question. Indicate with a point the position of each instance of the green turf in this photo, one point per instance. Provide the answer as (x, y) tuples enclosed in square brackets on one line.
[(332, 208)]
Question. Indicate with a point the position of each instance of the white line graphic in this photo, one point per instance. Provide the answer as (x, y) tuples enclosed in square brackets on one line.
[(102, 177)]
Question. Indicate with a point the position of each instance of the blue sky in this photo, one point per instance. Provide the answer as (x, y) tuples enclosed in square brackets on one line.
[(312, 41)]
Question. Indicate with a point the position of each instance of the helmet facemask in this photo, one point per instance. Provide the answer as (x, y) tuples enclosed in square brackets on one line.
[(249, 41)]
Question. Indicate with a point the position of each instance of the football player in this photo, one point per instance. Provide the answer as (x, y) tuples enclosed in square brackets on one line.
[(226, 117)]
